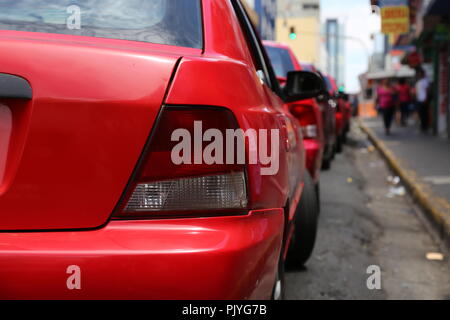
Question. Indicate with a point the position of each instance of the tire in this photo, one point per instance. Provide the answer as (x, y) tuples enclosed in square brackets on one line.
[(339, 143), (326, 162), (345, 135), (319, 207), (306, 223), (333, 154), (279, 288)]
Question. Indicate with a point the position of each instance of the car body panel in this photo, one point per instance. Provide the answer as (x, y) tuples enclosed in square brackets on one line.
[(257, 106), (89, 102), (329, 110), (209, 258), (340, 112), (314, 155), (234, 257)]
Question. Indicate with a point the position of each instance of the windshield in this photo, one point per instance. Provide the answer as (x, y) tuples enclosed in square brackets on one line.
[(281, 61), (170, 22)]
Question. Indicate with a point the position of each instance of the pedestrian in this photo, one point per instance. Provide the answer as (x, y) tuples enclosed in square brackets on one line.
[(404, 99), (354, 100), (422, 86), (386, 103)]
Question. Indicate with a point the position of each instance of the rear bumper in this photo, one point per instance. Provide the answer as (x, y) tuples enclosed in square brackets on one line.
[(314, 155), (205, 258)]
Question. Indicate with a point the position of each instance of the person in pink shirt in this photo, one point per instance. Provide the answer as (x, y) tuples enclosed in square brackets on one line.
[(386, 103), (404, 99)]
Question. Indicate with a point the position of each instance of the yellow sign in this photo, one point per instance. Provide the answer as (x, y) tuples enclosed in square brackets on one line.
[(395, 20)]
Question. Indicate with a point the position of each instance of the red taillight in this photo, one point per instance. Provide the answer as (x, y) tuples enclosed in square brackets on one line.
[(164, 187), (306, 115)]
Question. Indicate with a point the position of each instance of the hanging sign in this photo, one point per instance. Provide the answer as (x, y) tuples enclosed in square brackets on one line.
[(394, 17)]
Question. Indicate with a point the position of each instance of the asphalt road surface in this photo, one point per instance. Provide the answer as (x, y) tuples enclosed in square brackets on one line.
[(364, 222)]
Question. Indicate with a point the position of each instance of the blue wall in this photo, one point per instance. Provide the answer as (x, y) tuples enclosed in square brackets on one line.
[(267, 12)]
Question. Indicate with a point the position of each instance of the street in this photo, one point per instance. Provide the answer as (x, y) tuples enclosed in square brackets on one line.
[(225, 150), (361, 225)]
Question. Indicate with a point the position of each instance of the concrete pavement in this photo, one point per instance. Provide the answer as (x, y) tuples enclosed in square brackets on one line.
[(423, 163), (361, 226)]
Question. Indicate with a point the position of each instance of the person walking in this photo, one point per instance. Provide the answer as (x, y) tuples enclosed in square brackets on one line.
[(386, 103), (422, 86), (404, 98)]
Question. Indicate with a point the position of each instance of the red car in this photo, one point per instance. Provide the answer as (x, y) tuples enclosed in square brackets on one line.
[(342, 113), (327, 106), (307, 112), (116, 181)]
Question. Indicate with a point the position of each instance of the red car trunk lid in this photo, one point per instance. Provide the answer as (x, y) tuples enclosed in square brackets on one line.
[(67, 155)]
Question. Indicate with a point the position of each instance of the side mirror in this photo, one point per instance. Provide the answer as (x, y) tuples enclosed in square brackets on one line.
[(324, 96), (302, 85)]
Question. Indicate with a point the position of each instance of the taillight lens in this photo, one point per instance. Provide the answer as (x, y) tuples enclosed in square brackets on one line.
[(224, 191), (164, 188), (306, 115), (309, 131)]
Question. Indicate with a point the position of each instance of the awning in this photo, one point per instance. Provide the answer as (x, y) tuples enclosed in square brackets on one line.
[(389, 74)]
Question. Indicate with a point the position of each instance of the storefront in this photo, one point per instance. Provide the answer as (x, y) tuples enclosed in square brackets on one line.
[(446, 90), (438, 51), (432, 28), (443, 90)]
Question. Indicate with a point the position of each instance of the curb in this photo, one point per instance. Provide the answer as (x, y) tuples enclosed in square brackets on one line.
[(425, 199)]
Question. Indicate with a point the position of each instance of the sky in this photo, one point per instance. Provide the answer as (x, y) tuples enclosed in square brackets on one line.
[(360, 23)]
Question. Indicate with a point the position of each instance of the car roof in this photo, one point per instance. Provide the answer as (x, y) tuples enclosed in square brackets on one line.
[(276, 44), (308, 67)]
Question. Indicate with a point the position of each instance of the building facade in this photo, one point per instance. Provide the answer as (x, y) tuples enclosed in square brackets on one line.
[(298, 25), (335, 50), (263, 14), (250, 8), (429, 43), (425, 47), (266, 11)]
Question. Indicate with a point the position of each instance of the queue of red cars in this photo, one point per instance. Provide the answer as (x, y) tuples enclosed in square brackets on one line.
[(325, 120), (115, 178)]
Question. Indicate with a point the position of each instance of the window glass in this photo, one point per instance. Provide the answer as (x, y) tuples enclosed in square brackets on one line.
[(281, 61), (170, 22)]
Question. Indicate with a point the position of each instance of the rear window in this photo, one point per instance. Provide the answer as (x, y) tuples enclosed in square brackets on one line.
[(281, 61), (170, 22)]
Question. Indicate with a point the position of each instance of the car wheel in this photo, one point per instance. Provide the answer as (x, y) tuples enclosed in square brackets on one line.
[(326, 162), (306, 223), (339, 144), (326, 165), (344, 136), (278, 292), (318, 196)]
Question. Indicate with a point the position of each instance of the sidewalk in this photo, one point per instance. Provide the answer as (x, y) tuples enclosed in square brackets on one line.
[(423, 163)]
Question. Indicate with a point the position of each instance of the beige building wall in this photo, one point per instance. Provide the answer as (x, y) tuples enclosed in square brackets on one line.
[(249, 6), (307, 45)]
